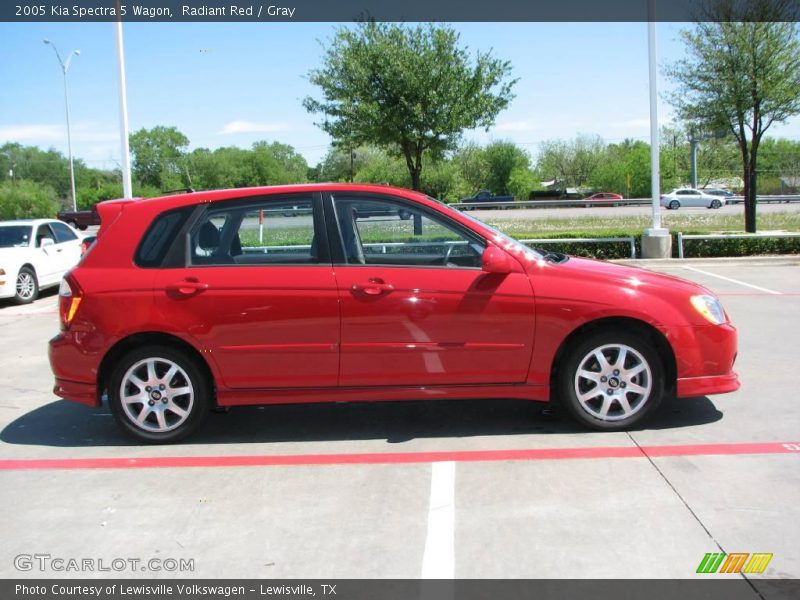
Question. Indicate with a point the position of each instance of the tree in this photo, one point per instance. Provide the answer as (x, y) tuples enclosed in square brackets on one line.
[(742, 74), (504, 161), (570, 163), (27, 200), (159, 157), (412, 89)]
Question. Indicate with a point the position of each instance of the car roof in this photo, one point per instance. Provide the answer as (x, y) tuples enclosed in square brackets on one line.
[(27, 222), (211, 196)]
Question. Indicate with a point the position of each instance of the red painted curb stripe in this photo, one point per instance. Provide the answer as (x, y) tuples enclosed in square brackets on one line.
[(151, 462)]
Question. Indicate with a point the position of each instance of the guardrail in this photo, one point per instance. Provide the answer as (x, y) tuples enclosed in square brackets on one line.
[(631, 240), (765, 199), (729, 236)]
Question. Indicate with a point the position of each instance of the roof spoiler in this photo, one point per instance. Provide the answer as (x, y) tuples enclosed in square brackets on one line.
[(109, 210)]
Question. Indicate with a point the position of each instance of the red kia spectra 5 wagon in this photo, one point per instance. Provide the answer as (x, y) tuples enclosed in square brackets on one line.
[(336, 292)]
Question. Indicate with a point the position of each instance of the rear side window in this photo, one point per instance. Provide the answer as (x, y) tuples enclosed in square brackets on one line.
[(159, 237)]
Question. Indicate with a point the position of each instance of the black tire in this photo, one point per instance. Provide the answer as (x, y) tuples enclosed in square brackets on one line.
[(716, 204), (674, 205), (404, 214), (195, 404), (83, 227), (611, 390), (73, 224), (26, 286)]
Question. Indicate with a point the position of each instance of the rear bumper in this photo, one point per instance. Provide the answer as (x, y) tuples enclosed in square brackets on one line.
[(75, 391), (689, 387)]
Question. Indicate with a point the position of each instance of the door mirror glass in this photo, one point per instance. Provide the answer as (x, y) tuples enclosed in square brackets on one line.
[(496, 261), (45, 242)]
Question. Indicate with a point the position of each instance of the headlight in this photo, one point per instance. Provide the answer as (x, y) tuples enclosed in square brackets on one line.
[(710, 307)]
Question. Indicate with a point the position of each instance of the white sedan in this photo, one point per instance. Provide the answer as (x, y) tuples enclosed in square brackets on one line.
[(691, 197), (35, 254)]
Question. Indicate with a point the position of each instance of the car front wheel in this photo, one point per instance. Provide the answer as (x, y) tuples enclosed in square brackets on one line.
[(716, 204), (27, 286), (612, 381), (158, 394)]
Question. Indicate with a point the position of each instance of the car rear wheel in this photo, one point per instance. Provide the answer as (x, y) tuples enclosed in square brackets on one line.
[(674, 205), (716, 204), (158, 394), (27, 286), (612, 381)]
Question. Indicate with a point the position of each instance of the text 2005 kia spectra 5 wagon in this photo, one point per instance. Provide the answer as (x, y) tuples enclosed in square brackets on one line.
[(335, 292)]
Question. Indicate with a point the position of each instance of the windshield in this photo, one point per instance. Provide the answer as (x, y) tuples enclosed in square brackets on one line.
[(15, 236), (499, 238)]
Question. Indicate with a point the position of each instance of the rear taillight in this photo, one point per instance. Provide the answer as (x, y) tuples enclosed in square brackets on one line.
[(70, 296)]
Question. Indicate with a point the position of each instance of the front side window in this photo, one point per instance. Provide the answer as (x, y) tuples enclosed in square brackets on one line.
[(63, 233), (44, 233), (262, 232), (383, 232)]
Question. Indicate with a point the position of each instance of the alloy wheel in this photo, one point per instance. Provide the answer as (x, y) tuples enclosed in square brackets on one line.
[(156, 395)]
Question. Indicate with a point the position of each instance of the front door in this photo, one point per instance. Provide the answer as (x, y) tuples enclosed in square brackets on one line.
[(416, 307)]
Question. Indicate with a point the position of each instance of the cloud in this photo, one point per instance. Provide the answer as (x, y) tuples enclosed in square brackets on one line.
[(239, 126), (517, 126), (44, 133)]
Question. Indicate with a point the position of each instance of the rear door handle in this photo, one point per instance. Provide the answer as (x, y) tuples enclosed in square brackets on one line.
[(188, 287), (374, 287)]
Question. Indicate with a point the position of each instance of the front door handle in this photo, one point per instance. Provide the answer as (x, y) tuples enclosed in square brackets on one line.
[(375, 286), (188, 287)]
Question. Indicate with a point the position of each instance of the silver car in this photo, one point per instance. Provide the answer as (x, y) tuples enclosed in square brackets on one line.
[(691, 197)]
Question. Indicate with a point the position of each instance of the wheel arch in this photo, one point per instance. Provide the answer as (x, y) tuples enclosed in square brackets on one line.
[(136, 340), (627, 324)]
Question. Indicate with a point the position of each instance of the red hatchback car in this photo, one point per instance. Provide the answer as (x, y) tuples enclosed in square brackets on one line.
[(336, 292)]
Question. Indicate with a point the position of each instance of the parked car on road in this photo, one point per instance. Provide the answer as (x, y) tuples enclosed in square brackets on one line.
[(80, 219), (35, 254), (603, 199), (691, 197), (485, 196), (185, 303)]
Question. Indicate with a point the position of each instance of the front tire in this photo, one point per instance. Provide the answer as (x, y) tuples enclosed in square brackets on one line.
[(27, 286), (159, 395), (611, 381), (716, 204)]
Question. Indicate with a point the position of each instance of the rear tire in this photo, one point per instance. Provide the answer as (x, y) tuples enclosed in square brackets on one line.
[(674, 205), (611, 381), (716, 204), (159, 395), (27, 286)]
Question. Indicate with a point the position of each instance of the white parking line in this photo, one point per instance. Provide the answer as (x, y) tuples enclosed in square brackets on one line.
[(438, 562), (736, 281)]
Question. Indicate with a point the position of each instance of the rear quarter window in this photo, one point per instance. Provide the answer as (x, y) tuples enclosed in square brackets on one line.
[(159, 237)]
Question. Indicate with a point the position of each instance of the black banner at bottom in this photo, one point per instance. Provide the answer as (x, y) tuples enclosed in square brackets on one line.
[(400, 589)]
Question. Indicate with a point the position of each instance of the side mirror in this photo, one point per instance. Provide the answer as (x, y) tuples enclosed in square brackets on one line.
[(46, 242), (496, 261)]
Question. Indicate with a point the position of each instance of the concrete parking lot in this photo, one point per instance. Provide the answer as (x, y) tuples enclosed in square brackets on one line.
[(469, 489)]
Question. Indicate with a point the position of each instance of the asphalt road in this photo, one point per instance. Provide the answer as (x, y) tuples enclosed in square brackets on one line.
[(395, 490)]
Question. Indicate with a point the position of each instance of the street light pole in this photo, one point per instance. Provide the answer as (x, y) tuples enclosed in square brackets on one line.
[(64, 69)]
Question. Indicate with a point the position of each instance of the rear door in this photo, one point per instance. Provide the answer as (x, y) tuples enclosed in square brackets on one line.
[(257, 293), (416, 307)]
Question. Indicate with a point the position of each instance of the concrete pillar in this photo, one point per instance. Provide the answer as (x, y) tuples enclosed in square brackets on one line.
[(656, 243)]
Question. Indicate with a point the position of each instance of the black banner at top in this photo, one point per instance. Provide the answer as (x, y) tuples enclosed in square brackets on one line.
[(379, 10)]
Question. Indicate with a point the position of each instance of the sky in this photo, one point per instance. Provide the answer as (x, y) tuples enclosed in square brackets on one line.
[(230, 84)]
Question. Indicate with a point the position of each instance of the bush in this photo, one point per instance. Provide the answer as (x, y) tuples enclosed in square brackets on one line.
[(27, 200), (602, 250), (737, 247)]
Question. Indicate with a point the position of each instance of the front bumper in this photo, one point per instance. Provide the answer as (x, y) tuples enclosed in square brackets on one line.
[(689, 387), (705, 356)]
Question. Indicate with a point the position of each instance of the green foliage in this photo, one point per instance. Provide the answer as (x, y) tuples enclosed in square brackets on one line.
[(158, 155), (410, 88), (572, 162), (27, 200), (738, 247)]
